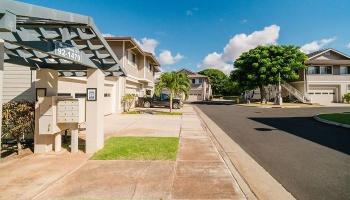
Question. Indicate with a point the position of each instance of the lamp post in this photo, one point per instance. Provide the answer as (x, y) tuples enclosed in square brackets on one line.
[(279, 93)]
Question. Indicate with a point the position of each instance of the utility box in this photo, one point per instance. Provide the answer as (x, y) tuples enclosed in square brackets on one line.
[(47, 118)]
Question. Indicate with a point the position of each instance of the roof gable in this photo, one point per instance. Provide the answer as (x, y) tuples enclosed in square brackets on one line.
[(187, 71), (328, 54)]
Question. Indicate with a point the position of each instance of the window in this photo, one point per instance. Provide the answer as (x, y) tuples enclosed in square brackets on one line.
[(63, 94), (164, 96), (344, 70), (326, 70), (80, 95), (320, 70), (313, 70), (200, 81), (132, 58), (149, 66), (107, 95), (193, 81), (349, 87)]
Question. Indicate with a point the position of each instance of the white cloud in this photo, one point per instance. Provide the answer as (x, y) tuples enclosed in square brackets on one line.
[(348, 46), (166, 57), (107, 35), (189, 12), (316, 45), (148, 44), (243, 21), (237, 45)]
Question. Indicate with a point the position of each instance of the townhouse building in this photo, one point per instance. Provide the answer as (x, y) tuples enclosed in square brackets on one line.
[(327, 77), (200, 86)]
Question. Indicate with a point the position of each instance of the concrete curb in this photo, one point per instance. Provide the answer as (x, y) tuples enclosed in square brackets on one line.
[(316, 117), (254, 180)]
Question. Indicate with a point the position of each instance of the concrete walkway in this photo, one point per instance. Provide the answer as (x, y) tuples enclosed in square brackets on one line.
[(26, 177), (198, 172), (142, 125)]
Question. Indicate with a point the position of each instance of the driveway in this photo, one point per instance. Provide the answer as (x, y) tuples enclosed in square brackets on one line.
[(310, 159)]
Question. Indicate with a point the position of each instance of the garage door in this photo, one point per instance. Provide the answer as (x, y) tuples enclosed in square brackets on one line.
[(194, 97), (322, 95)]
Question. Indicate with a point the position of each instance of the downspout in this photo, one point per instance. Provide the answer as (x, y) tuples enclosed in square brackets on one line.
[(2, 53), (123, 61)]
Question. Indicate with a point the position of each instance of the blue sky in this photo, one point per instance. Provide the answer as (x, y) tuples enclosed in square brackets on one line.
[(194, 33)]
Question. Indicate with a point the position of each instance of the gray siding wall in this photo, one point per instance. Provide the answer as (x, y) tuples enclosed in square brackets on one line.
[(18, 83)]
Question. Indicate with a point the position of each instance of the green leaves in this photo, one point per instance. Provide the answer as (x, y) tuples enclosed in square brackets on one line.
[(264, 64), (18, 118), (175, 82)]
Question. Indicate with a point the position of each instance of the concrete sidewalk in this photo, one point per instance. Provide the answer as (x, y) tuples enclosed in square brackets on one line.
[(198, 172), (24, 178)]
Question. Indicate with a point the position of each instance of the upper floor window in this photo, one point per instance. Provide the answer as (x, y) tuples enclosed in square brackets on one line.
[(200, 81), (149, 67), (313, 70), (344, 70), (326, 70), (320, 70), (132, 58), (193, 81)]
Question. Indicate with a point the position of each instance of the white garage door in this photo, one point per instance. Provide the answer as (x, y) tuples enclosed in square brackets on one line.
[(322, 95), (192, 97)]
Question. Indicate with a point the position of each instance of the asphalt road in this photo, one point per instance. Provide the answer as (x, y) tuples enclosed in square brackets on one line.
[(309, 158)]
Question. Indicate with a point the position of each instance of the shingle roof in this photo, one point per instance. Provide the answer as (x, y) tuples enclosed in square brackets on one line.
[(192, 74), (317, 52)]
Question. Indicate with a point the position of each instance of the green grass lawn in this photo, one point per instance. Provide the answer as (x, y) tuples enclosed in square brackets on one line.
[(167, 113), (133, 112), (138, 148), (343, 118)]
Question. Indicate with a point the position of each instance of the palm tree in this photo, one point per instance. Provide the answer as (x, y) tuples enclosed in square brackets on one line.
[(176, 83)]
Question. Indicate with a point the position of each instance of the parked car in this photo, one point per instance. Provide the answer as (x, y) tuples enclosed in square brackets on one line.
[(162, 100)]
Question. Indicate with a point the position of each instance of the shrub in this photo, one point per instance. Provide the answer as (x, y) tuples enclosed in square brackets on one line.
[(18, 120), (127, 101), (347, 98)]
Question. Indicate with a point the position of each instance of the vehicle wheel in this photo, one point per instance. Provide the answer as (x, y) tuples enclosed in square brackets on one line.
[(175, 105), (146, 104)]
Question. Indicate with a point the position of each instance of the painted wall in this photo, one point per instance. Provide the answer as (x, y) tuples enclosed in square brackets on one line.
[(18, 83)]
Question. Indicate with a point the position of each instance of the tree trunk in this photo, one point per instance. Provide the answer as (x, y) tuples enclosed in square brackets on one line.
[(262, 93), (171, 102), (19, 147)]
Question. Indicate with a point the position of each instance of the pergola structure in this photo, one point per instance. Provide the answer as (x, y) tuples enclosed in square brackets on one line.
[(61, 43)]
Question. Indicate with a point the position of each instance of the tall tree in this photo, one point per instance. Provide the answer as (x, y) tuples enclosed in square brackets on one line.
[(176, 83), (266, 65), (217, 80)]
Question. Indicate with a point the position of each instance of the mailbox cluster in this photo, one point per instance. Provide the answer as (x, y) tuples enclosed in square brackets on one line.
[(68, 111), (56, 113)]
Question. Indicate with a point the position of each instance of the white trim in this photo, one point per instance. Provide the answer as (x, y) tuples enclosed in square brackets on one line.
[(144, 66), (334, 82), (327, 51), (123, 54)]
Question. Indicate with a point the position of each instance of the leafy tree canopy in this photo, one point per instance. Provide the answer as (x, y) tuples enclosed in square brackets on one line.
[(176, 83), (262, 66), (217, 80)]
